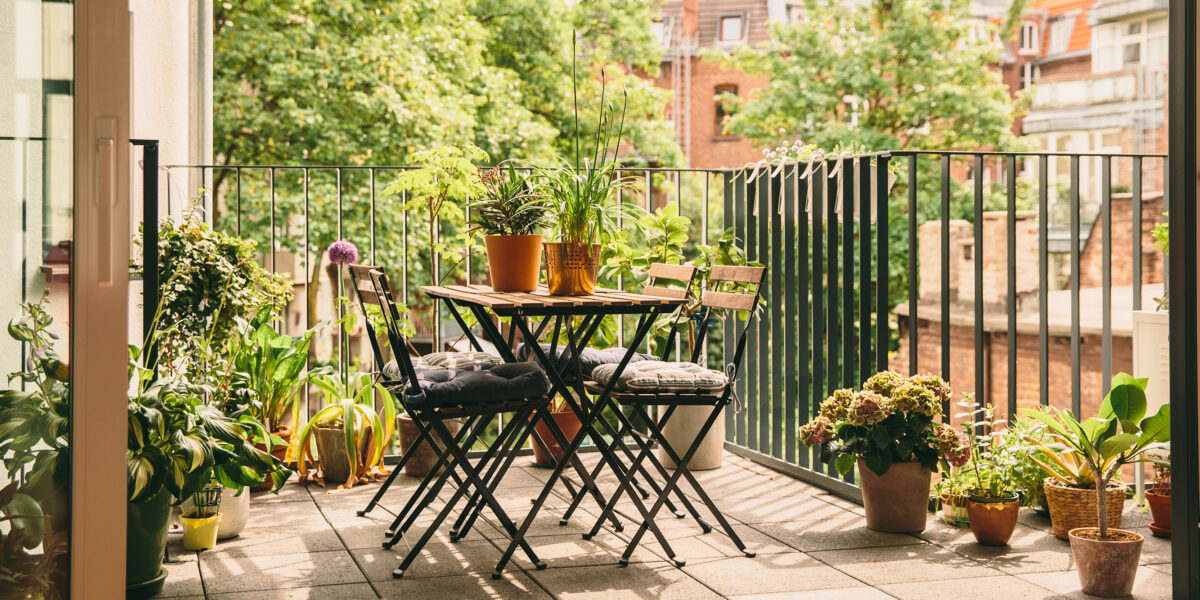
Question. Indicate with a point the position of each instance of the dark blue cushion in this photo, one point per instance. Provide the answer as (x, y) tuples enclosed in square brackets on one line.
[(508, 381)]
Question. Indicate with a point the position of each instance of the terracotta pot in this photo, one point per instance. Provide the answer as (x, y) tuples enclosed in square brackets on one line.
[(1106, 567), (571, 269), (954, 510), (334, 459), (514, 261), (1160, 507), (993, 519), (570, 426), (279, 451), (896, 501), (426, 455)]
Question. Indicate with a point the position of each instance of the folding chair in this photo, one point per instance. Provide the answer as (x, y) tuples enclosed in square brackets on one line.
[(432, 396), (670, 385), (659, 274)]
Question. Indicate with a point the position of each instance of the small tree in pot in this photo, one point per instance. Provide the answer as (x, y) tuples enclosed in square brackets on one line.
[(1107, 558), (888, 430)]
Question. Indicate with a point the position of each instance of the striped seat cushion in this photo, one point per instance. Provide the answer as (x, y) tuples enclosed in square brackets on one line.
[(471, 361), (656, 376)]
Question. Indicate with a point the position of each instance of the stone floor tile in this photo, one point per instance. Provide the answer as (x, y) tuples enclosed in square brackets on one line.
[(437, 559), (288, 493), (355, 591), (839, 531), (1028, 551), (772, 573), (1006, 587), (638, 581), (1155, 550), (1035, 519), (223, 573), (462, 587), (854, 593), (900, 564), (1149, 584), (570, 550), (1161, 568), (262, 541), (283, 514), (183, 579), (771, 509)]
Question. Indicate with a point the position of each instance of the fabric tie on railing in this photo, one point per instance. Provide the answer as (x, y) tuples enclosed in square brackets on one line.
[(731, 375)]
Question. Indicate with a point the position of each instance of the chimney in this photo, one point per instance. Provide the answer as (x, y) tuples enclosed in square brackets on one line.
[(994, 254), (929, 247)]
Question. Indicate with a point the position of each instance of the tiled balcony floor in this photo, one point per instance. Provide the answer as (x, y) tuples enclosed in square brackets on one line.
[(308, 543)]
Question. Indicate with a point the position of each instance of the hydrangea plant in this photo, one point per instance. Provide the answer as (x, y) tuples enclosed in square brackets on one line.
[(890, 420)]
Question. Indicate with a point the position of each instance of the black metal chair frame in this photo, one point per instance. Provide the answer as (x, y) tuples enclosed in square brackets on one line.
[(455, 451), (672, 400), (559, 370)]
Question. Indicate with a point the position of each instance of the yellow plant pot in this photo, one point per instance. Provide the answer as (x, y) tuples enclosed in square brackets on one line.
[(200, 533)]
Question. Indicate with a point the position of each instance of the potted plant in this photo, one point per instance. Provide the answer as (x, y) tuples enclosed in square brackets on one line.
[(202, 521), (1106, 557), (951, 494), (30, 550), (509, 214), (1026, 475), (582, 200), (570, 425), (348, 434), (993, 504), (887, 429), (1158, 496)]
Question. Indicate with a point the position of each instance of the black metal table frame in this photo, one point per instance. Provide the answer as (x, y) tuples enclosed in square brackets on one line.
[(588, 412)]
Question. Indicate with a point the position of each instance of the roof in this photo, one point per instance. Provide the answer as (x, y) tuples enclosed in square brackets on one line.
[(1076, 10)]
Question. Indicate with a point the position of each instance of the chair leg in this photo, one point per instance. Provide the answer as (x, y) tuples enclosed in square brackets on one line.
[(470, 428), (466, 519), (472, 477), (416, 505), (422, 435), (673, 482), (644, 446)]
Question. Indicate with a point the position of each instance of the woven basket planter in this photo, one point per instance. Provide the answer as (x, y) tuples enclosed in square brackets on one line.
[(1076, 507)]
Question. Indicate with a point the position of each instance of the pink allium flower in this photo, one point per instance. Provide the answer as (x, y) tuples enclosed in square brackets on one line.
[(343, 252)]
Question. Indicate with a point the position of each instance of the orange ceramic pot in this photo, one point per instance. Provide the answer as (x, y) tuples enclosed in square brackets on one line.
[(514, 261), (993, 519)]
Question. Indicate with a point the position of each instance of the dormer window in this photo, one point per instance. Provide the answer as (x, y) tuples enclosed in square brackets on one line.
[(731, 28), (1029, 38)]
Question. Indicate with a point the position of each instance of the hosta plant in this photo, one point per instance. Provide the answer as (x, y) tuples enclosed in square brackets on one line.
[(890, 420), (29, 548), (348, 407), (1089, 453)]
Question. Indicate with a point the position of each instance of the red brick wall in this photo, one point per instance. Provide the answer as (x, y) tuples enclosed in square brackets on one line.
[(1091, 262), (709, 148), (995, 348)]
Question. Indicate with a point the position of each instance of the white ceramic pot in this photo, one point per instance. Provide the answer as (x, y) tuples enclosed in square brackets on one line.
[(681, 430)]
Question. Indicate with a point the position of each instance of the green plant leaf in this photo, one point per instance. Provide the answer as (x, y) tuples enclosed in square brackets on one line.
[(1117, 444), (878, 462), (1126, 401), (844, 463), (1157, 428)]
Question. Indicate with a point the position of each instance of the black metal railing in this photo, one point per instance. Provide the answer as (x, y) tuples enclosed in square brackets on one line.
[(840, 236)]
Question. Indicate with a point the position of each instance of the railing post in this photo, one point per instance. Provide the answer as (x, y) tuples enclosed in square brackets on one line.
[(150, 266)]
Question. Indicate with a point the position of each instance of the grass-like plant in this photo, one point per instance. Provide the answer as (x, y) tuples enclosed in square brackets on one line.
[(1089, 453), (347, 407)]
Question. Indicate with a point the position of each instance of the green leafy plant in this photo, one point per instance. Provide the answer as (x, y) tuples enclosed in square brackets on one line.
[(26, 572), (512, 203), (1162, 235), (890, 420), (347, 407), (989, 469), (1089, 453), (271, 367), (214, 279), (582, 195)]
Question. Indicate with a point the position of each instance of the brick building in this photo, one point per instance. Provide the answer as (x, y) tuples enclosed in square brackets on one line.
[(686, 27)]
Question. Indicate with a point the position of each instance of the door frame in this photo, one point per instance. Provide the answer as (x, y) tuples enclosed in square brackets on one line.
[(100, 299)]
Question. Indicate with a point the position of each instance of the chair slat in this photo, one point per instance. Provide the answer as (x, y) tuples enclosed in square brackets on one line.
[(675, 272), (728, 300), (737, 274), (654, 290)]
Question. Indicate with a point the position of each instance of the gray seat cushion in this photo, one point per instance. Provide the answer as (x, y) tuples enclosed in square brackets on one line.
[(506, 381), (662, 376), (591, 358), (444, 360)]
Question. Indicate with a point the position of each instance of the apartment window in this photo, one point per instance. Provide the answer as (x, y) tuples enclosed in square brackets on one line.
[(1029, 75), (1117, 46), (795, 13), (1060, 35), (1029, 37), (731, 28), (723, 112)]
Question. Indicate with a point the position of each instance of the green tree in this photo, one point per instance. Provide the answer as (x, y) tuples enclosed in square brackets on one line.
[(883, 75), (362, 82)]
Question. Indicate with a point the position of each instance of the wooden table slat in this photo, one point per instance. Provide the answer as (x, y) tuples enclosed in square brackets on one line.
[(484, 295)]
